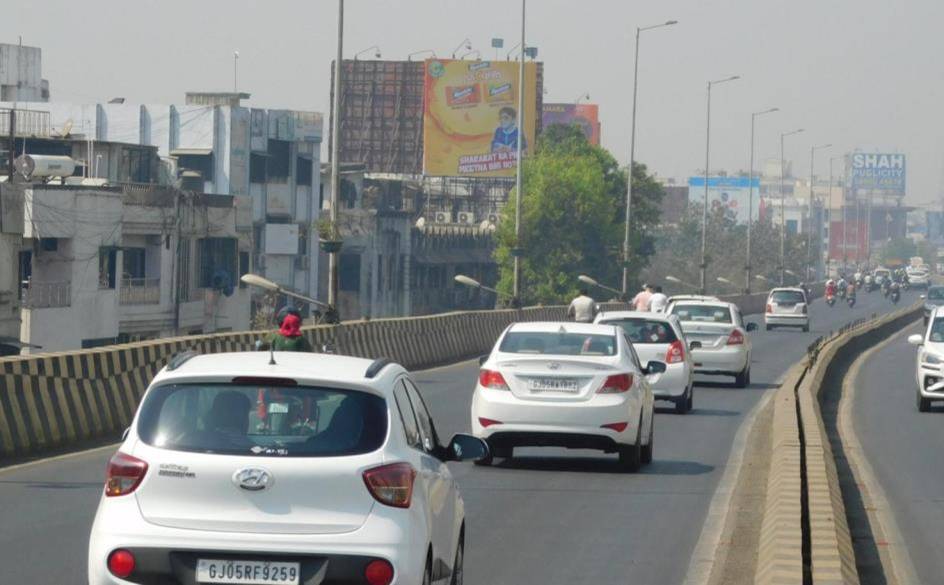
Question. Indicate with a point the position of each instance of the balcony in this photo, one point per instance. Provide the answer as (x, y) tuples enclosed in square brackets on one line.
[(140, 291), (47, 295)]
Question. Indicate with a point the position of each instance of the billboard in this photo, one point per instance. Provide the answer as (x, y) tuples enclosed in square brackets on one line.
[(587, 116), (732, 193), (851, 243), (469, 115), (878, 171)]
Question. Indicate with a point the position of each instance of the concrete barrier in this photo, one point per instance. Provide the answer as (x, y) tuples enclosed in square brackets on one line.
[(62, 400)]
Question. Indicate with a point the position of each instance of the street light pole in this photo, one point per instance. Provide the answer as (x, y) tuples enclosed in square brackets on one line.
[(333, 258), (809, 213), (704, 229), (518, 189), (783, 223), (632, 160), (750, 202)]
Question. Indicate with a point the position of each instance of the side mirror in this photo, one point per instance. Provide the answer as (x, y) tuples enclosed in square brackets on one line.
[(694, 345), (483, 359), (654, 367), (916, 339), (465, 448), (751, 327)]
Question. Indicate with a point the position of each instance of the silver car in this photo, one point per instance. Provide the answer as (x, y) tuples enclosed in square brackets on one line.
[(932, 300), (658, 337), (725, 344), (787, 307)]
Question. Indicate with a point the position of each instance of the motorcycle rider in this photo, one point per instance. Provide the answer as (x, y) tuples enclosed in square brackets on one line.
[(842, 286), (830, 288), (851, 293), (895, 291)]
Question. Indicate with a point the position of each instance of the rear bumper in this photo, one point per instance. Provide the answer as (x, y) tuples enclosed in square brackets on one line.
[(729, 361), (786, 320)]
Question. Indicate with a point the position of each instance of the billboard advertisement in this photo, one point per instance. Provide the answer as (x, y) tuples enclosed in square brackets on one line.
[(878, 171), (469, 117), (732, 193), (587, 116), (851, 243)]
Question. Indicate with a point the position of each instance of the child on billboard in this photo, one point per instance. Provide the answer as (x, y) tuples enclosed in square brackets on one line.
[(506, 135)]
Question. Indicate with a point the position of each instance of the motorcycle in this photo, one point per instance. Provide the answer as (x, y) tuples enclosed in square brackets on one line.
[(895, 295), (830, 300), (851, 302)]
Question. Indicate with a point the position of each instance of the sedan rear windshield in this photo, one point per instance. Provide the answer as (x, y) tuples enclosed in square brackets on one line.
[(935, 294), (787, 296), (556, 343), (643, 331), (263, 420), (703, 313)]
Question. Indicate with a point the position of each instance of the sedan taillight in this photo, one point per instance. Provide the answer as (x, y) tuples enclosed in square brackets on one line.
[(124, 474), (770, 308), (492, 379), (616, 384), (392, 484), (676, 353), (736, 338)]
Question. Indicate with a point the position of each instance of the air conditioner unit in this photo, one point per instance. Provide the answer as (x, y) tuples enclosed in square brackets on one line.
[(493, 218), (442, 217), (465, 217), (302, 263)]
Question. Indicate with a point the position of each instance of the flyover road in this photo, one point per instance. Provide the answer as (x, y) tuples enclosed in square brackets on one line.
[(549, 516), (903, 448)]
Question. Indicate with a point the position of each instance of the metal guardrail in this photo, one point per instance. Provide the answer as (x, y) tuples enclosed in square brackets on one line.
[(46, 295), (140, 291)]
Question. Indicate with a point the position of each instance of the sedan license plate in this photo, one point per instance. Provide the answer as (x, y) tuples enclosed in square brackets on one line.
[(247, 572), (553, 385)]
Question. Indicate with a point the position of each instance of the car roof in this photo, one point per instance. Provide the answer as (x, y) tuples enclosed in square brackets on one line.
[(311, 367), (787, 288), (686, 297), (567, 326), (723, 304), (635, 315)]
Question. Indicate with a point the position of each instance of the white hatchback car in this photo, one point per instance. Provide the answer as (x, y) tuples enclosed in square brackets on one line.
[(725, 348), (929, 370), (659, 337), (314, 469), (573, 385), (787, 307)]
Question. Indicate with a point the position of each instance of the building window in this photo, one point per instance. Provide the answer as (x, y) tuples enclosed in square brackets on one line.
[(277, 167), (350, 272), (257, 168), (243, 267), (107, 267), (303, 171), (132, 263), (183, 271), (136, 166), (202, 163), (217, 263)]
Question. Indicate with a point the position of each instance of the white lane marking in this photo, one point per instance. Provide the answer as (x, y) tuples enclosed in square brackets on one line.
[(8, 469), (704, 556), (876, 503)]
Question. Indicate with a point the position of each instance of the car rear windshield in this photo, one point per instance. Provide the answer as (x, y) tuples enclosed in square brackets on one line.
[(263, 420), (703, 313), (643, 331), (787, 296), (556, 343), (935, 294)]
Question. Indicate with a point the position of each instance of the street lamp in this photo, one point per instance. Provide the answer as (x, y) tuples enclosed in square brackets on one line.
[(235, 71), (681, 282), (809, 233), (266, 284), (783, 229), (517, 251), (430, 52), (593, 282), (333, 256), (472, 283), (373, 48), (725, 281), (476, 52), (842, 203), (632, 158), (583, 96), (704, 229), (750, 202), (466, 43)]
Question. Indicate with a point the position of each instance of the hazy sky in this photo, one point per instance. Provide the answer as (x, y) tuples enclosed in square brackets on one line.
[(856, 73)]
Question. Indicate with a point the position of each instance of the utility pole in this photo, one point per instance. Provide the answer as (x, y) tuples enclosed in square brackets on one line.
[(809, 233), (12, 154), (750, 202), (783, 220), (333, 256), (519, 195)]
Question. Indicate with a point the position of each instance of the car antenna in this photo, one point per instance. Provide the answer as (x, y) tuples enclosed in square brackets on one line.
[(272, 354)]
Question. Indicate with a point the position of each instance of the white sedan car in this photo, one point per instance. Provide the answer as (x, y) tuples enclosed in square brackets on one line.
[(929, 370), (725, 344), (572, 385), (319, 468), (659, 337)]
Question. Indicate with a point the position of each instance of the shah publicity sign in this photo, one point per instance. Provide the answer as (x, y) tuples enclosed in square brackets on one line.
[(470, 114), (586, 116), (878, 171), (731, 193)]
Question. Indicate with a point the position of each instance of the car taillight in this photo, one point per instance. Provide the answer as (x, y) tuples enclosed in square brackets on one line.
[(121, 563), (492, 379), (676, 352), (736, 338), (124, 474), (618, 427), (379, 572), (616, 384), (770, 308), (391, 484), (487, 422)]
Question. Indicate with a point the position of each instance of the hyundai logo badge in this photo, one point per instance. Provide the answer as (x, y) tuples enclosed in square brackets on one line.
[(252, 479), (554, 366)]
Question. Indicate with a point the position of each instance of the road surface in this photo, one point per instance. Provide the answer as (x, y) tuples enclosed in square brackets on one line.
[(550, 516)]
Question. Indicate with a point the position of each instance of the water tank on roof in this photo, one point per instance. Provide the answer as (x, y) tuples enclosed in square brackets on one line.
[(36, 166)]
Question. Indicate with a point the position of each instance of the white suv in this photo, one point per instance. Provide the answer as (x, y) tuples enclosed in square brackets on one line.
[(311, 469), (929, 370)]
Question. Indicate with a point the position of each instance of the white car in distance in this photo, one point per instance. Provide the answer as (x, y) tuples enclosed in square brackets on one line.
[(659, 337), (787, 307), (724, 337), (572, 385), (929, 369), (317, 468)]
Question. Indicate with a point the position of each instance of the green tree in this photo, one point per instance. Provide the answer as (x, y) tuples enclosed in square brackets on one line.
[(572, 218)]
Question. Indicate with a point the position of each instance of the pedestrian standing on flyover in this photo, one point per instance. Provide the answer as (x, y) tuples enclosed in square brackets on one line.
[(658, 301), (583, 308), (641, 300)]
